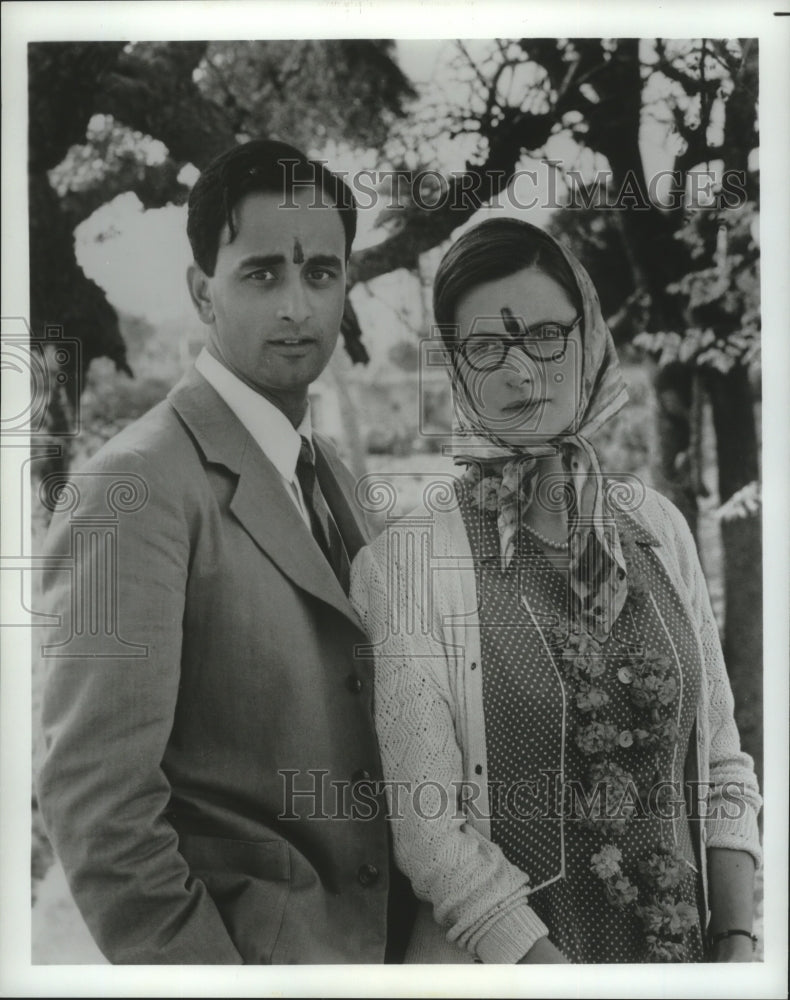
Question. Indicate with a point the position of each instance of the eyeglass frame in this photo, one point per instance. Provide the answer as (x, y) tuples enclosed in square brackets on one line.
[(511, 340)]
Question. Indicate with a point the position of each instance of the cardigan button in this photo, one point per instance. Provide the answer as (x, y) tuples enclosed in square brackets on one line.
[(361, 775), (354, 684), (367, 875), (478, 768)]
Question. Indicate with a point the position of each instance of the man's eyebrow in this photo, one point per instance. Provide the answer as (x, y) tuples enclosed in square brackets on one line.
[(278, 259), (261, 260), (327, 259)]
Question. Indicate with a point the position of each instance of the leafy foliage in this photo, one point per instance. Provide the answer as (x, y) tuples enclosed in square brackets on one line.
[(595, 236), (62, 79), (307, 92), (721, 298), (112, 160)]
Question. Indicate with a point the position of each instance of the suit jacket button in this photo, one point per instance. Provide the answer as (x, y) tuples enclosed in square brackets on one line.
[(361, 775), (367, 875), (354, 684)]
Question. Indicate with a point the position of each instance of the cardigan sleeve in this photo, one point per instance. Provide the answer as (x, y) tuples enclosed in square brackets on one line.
[(734, 796), (478, 896)]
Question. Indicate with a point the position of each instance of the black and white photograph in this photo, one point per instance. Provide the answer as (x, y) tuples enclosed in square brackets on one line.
[(395, 473)]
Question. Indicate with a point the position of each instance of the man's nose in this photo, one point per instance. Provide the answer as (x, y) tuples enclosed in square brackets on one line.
[(294, 304)]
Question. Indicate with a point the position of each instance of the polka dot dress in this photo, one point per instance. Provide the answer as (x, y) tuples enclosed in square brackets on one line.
[(534, 766)]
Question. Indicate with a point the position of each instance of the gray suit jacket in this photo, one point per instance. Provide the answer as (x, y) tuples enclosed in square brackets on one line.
[(208, 675)]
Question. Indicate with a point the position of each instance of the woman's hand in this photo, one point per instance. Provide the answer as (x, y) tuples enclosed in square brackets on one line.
[(543, 952)]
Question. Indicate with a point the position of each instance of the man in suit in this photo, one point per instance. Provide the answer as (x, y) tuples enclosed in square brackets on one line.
[(199, 767)]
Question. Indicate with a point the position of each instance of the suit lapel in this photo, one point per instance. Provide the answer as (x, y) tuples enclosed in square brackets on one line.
[(260, 501)]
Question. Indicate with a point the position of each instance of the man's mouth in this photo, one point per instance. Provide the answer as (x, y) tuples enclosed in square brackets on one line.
[(293, 341)]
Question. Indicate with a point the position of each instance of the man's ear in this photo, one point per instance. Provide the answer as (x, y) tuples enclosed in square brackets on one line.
[(199, 292)]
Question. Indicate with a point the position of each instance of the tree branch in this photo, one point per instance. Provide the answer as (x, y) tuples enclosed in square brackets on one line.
[(473, 65), (692, 85), (425, 228), (155, 185)]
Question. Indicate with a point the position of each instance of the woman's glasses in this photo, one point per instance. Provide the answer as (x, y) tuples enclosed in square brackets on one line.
[(543, 342)]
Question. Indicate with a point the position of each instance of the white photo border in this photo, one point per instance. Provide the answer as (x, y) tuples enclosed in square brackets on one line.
[(50, 21)]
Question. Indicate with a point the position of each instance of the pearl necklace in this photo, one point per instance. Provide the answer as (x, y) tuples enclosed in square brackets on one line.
[(542, 538)]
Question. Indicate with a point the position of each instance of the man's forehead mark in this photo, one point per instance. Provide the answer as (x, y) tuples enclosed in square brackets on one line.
[(298, 257)]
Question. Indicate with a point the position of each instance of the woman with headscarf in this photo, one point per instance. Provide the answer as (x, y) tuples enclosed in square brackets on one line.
[(556, 725)]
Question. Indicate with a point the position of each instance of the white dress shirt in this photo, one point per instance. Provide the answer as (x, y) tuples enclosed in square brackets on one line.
[(271, 430)]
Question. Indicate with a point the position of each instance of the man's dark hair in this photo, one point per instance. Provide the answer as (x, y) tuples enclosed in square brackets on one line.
[(259, 165)]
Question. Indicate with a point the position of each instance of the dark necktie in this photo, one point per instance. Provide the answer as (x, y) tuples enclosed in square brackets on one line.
[(325, 530)]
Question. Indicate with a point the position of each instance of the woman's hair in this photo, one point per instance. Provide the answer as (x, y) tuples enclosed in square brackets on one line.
[(495, 249), (264, 165)]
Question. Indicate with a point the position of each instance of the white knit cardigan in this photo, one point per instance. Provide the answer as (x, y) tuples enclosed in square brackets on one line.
[(414, 590)]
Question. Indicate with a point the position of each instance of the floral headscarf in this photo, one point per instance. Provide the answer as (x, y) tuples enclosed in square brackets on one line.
[(597, 566)]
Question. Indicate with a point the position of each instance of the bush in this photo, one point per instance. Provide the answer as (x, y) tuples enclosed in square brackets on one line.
[(112, 400), (625, 443)]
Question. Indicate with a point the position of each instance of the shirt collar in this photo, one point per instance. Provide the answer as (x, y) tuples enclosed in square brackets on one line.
[(271, 430)]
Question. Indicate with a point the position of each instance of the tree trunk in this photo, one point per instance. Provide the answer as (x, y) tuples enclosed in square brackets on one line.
[(671, 465), (743, 630), (736, 444)]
